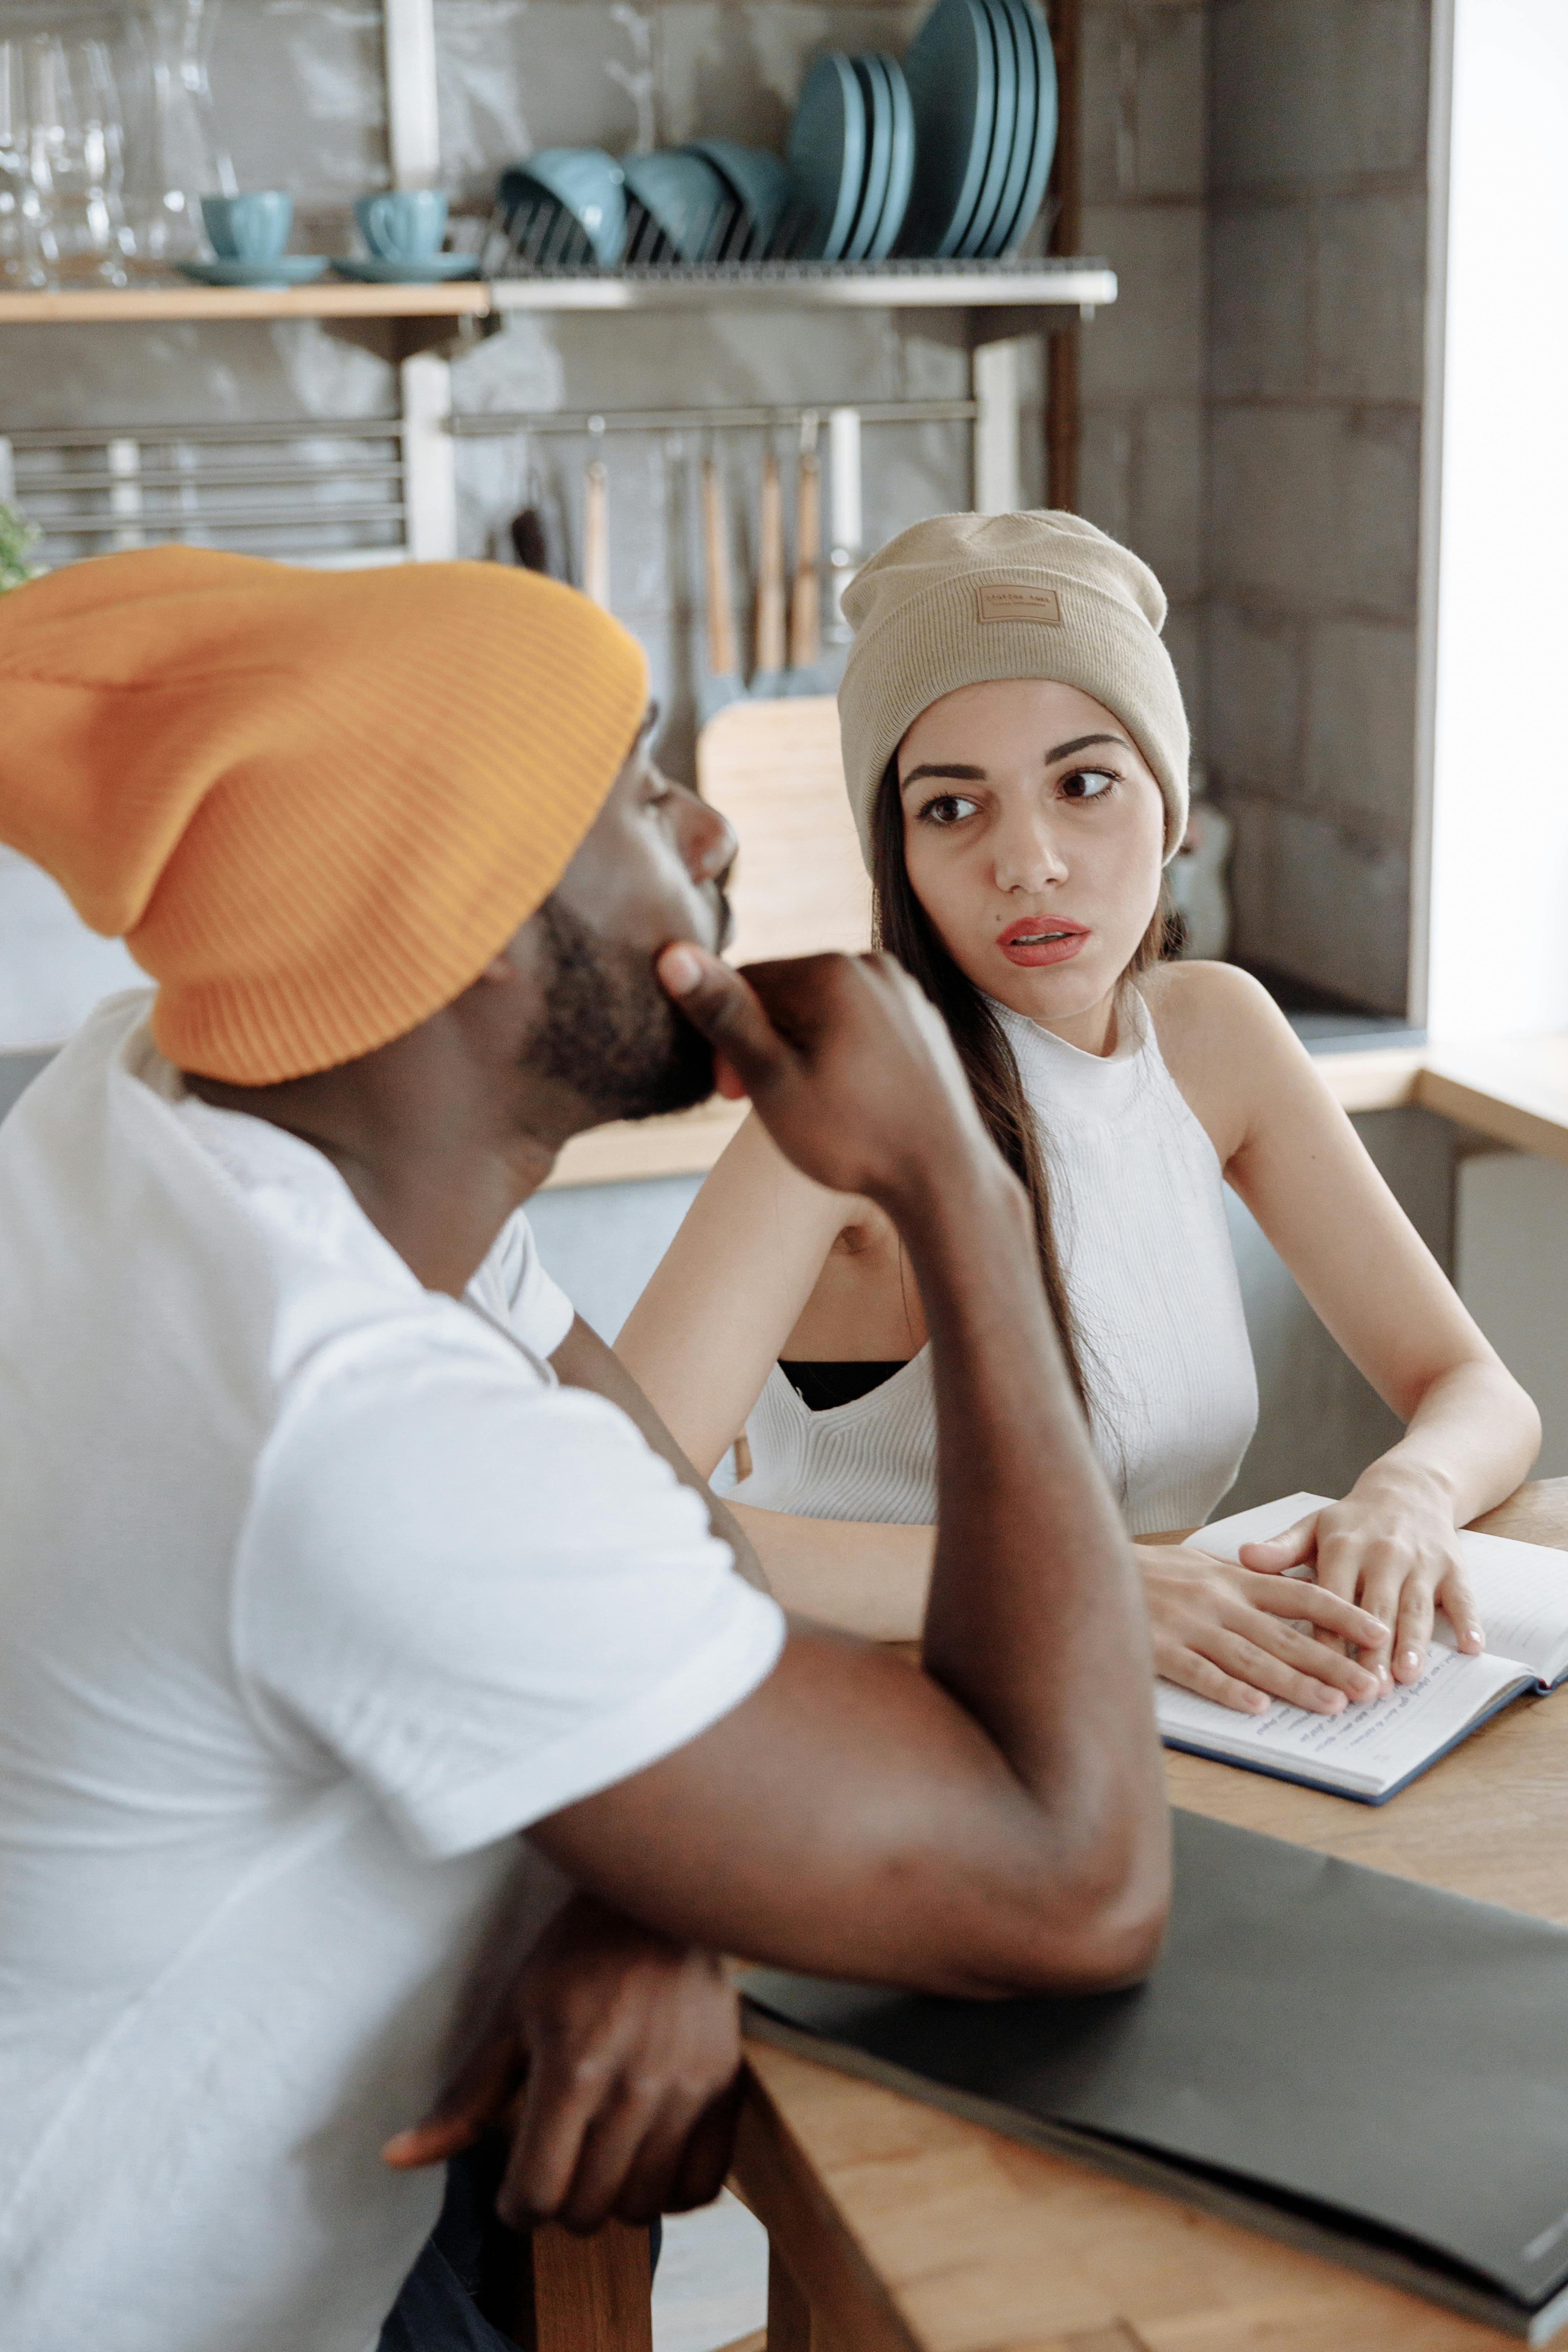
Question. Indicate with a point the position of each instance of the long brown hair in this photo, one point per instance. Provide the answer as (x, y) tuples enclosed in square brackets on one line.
[(901, 926)]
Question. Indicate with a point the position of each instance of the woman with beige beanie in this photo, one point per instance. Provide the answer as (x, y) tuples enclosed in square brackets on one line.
[(1016, 750)]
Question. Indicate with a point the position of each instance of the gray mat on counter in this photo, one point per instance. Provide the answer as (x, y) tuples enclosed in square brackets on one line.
[(1361, 2065)]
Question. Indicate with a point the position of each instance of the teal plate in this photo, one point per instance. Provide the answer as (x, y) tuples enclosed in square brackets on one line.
[(1045, 128), (1024, 130), (827, 146), (1004, 131), (901, 163), (878, 99), (284, 269), (950, 69), (431, 269)]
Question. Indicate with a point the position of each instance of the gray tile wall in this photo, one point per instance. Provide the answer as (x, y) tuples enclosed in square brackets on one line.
[(1317, 234), (1143, 365)]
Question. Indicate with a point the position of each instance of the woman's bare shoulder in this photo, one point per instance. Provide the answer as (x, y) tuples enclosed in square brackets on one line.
[(1221, 1037)]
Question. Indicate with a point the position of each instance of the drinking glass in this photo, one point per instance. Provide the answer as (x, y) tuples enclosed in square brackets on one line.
[(178, 157), (20, 262), (74, 156)]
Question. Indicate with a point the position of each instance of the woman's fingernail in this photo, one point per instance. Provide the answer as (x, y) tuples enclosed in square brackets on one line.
[(680, 970), (1410, 1658)]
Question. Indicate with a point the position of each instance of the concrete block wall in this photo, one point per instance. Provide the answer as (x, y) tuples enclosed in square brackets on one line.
[(1143, 365), (1317, 243)]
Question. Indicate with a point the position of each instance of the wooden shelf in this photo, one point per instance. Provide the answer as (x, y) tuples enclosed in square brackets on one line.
[(1514, 1093), (985, 287), (331, 297)]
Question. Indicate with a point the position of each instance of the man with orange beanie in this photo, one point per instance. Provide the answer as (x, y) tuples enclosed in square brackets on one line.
[(325, 1573)]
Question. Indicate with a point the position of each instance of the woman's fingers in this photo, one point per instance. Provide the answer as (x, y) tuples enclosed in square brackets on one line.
[(1190, 1670), (1413, 1630), (1454, 1597), (1293, 1548), (1329, 1611)]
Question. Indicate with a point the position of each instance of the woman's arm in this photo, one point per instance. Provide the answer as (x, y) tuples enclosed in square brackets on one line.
[(701, 1342), (1472, 1432), (727, 1293)]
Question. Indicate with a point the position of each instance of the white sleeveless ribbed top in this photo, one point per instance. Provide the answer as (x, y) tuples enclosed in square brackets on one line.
[(1138, 1208)]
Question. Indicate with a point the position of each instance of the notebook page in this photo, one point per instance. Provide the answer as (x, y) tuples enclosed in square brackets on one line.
[(1520, 1590), (1372, 1747)]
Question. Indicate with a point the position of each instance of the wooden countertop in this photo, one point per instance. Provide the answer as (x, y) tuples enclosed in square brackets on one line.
[(1515, 1091), (910, 2231)]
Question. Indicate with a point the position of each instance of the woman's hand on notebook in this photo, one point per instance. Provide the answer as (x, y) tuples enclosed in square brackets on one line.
[(1393, 1547), (1230, 1634)]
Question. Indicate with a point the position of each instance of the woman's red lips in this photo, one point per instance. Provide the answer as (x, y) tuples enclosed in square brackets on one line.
[(1041, 939)]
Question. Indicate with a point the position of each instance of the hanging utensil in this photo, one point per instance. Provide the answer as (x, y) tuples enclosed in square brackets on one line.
[(722, 684), (770, 652), (805, 600), (596, 533)]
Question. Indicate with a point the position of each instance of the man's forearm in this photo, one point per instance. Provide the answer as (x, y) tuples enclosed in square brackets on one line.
[(1036, 1617)]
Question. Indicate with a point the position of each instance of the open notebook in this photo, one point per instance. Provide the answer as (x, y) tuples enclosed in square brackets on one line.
[(1370, 1752)]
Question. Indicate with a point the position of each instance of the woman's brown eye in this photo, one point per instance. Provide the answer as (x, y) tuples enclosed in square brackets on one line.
[(1088, 784)]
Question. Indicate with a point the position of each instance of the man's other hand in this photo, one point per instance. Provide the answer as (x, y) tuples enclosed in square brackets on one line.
[(848, 1063), (613, 2057)]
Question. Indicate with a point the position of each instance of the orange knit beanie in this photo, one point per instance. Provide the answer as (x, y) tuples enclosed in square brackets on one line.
[(314, 804)]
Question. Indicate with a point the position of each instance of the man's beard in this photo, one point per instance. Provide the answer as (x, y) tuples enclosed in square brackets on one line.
[(610, 1030)]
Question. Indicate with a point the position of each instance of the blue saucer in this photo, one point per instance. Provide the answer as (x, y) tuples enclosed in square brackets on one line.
[(876, 97), (1003, 133), (430, 269), (950, 69), (1043, 128), (283, 270), (827, 144)]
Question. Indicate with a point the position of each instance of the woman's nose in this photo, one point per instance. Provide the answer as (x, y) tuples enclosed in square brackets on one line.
[(1027, 856)]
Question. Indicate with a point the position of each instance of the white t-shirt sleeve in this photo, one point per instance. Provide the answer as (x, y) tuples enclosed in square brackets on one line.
[(484, 1597), (513, 1289)]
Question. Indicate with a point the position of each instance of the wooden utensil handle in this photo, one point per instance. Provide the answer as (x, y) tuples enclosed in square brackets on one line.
[(805, 606), (771, 570), (597, 533), (722, 656)]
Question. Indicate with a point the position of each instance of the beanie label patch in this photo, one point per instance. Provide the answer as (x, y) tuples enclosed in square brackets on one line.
[(997, 602)]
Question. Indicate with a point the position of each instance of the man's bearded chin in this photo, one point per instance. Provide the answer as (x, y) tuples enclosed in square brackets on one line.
[(610, 1032)]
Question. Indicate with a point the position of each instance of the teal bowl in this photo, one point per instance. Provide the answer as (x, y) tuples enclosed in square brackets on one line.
[(689, 212), (566, 207), (760, 184)]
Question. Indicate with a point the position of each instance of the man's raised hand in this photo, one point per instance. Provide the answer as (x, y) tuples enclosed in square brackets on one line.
[(848, 1064)]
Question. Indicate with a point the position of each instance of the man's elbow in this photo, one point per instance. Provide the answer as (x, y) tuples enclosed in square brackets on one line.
[(1094, 1929)]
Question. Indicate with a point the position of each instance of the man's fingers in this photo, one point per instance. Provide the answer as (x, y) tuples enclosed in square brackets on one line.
[(476, 2098), (560, 2102), (1292, 1549), (705, 2164), (727, 1009)]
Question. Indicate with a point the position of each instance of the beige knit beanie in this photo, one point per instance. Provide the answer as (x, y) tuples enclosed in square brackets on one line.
[(965, 598)]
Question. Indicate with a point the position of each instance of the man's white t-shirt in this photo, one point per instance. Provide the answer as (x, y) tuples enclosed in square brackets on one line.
[(315, 1589)]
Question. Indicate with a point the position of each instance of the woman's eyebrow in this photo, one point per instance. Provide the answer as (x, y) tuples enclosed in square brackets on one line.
[(945, 768), (1082, 743)]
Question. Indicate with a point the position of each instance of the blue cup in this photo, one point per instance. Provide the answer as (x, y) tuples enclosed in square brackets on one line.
[(251, 228), (403, 224)]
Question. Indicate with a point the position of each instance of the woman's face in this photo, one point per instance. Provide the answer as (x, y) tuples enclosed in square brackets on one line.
[(1034, 835)]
